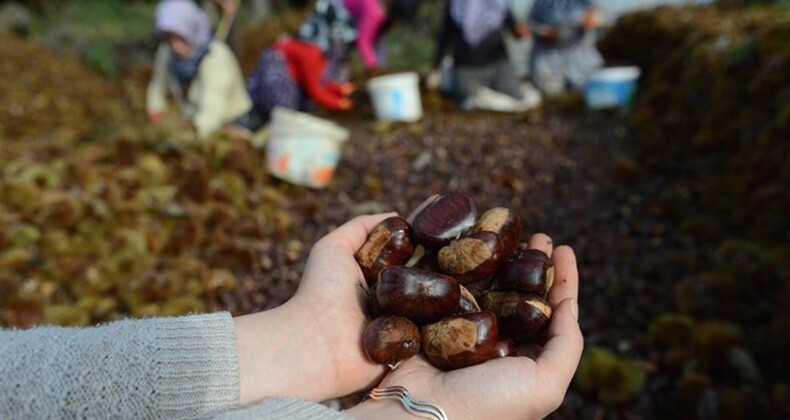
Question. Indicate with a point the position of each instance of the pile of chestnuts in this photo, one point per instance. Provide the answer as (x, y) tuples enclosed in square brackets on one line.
[(458, 285)]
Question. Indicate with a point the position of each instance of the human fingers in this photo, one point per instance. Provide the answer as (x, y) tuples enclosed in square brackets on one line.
[(566, 276), (542, 242), (352, 234), (560, 357)]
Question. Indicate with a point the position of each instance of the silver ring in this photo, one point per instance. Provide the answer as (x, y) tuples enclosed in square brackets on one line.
[(418, 408)]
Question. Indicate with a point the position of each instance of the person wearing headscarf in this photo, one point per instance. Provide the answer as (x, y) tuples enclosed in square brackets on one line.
[(564, 53), (332, 29), (297, 72), (474, 30), (200, 72)]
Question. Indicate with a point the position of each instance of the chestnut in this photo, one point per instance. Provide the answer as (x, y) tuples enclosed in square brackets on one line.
[(462, 340), (389, 340), (505, 223), (388, 244), (505, 348), (528, 271), (374, 310), (472, 258), (419, 295), (444, 218), (522, 317), (468, 303), (429, 260), (478, 288)]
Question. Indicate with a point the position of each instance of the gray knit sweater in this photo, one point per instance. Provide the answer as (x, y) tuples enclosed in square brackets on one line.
[(160, 368)]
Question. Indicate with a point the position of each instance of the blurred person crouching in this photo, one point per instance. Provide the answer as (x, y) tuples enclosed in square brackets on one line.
[(200, 72), (564, 54), (302, 70), (482, 75)]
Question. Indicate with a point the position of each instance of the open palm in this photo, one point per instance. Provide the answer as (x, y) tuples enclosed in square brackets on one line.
[(331, 292), (514, 387)]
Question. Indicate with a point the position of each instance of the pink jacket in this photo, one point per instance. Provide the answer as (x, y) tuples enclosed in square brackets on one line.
[(370, 17)]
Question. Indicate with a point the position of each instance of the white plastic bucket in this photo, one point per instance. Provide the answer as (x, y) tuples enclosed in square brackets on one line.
[(303, 149), (611, 87), (396, 97)]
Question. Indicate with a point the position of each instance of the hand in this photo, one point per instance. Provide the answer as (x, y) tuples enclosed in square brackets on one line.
[(521, 30), (310, 347), (510, 388), (592, 19), (155, 116), (550, 34), (346, 104), (347, 88), (434, 80)]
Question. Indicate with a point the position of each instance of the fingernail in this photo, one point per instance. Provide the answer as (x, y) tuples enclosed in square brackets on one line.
[(575, 309)]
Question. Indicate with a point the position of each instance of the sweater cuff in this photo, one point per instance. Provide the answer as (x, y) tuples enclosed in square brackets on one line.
[(196, 362), (284, 409)]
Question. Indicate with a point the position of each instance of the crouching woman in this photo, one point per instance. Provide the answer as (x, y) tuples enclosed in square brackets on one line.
[(200, 72)]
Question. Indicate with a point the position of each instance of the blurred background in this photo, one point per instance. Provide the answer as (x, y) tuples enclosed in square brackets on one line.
[(677, 205)]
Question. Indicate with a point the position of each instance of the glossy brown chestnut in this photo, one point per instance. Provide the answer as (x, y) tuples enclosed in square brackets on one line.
[(419, 295), (461, 341), (472, 258), (528, 271), (374, 310), (505, 223), (388, 244), (478, 288), (505, 348), (468, 302), (389, 340), (429, 260), (522, 317), (446, 217)]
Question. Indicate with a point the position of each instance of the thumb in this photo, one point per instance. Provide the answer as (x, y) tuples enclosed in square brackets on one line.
[(560, 356)]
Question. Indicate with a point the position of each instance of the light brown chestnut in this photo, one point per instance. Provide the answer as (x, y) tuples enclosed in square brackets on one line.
[(505, 223), (388, 244), (522, 317), (419, 295), (389, 340), (528, 271), (461, 340), (444, 218), (472, 258)]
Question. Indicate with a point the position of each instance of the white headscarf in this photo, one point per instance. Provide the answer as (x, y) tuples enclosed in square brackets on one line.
[(478, 18)]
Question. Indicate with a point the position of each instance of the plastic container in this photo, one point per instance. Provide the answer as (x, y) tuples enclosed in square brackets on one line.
[(303, 149), (396, 97), (611, 87)]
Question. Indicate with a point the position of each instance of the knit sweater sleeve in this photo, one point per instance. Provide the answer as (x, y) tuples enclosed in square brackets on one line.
[(155, 368)]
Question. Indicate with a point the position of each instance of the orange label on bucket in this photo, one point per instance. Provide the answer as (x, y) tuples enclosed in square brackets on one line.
[(282, 164), (323, 175)]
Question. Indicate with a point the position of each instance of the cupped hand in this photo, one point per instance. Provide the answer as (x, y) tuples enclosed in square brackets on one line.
[(310, 347), (509, 388)]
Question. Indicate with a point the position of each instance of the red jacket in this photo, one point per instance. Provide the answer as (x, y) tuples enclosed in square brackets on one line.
[(306, 64)]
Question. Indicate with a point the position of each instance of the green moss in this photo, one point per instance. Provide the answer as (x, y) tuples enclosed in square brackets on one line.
[(613, 380)]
